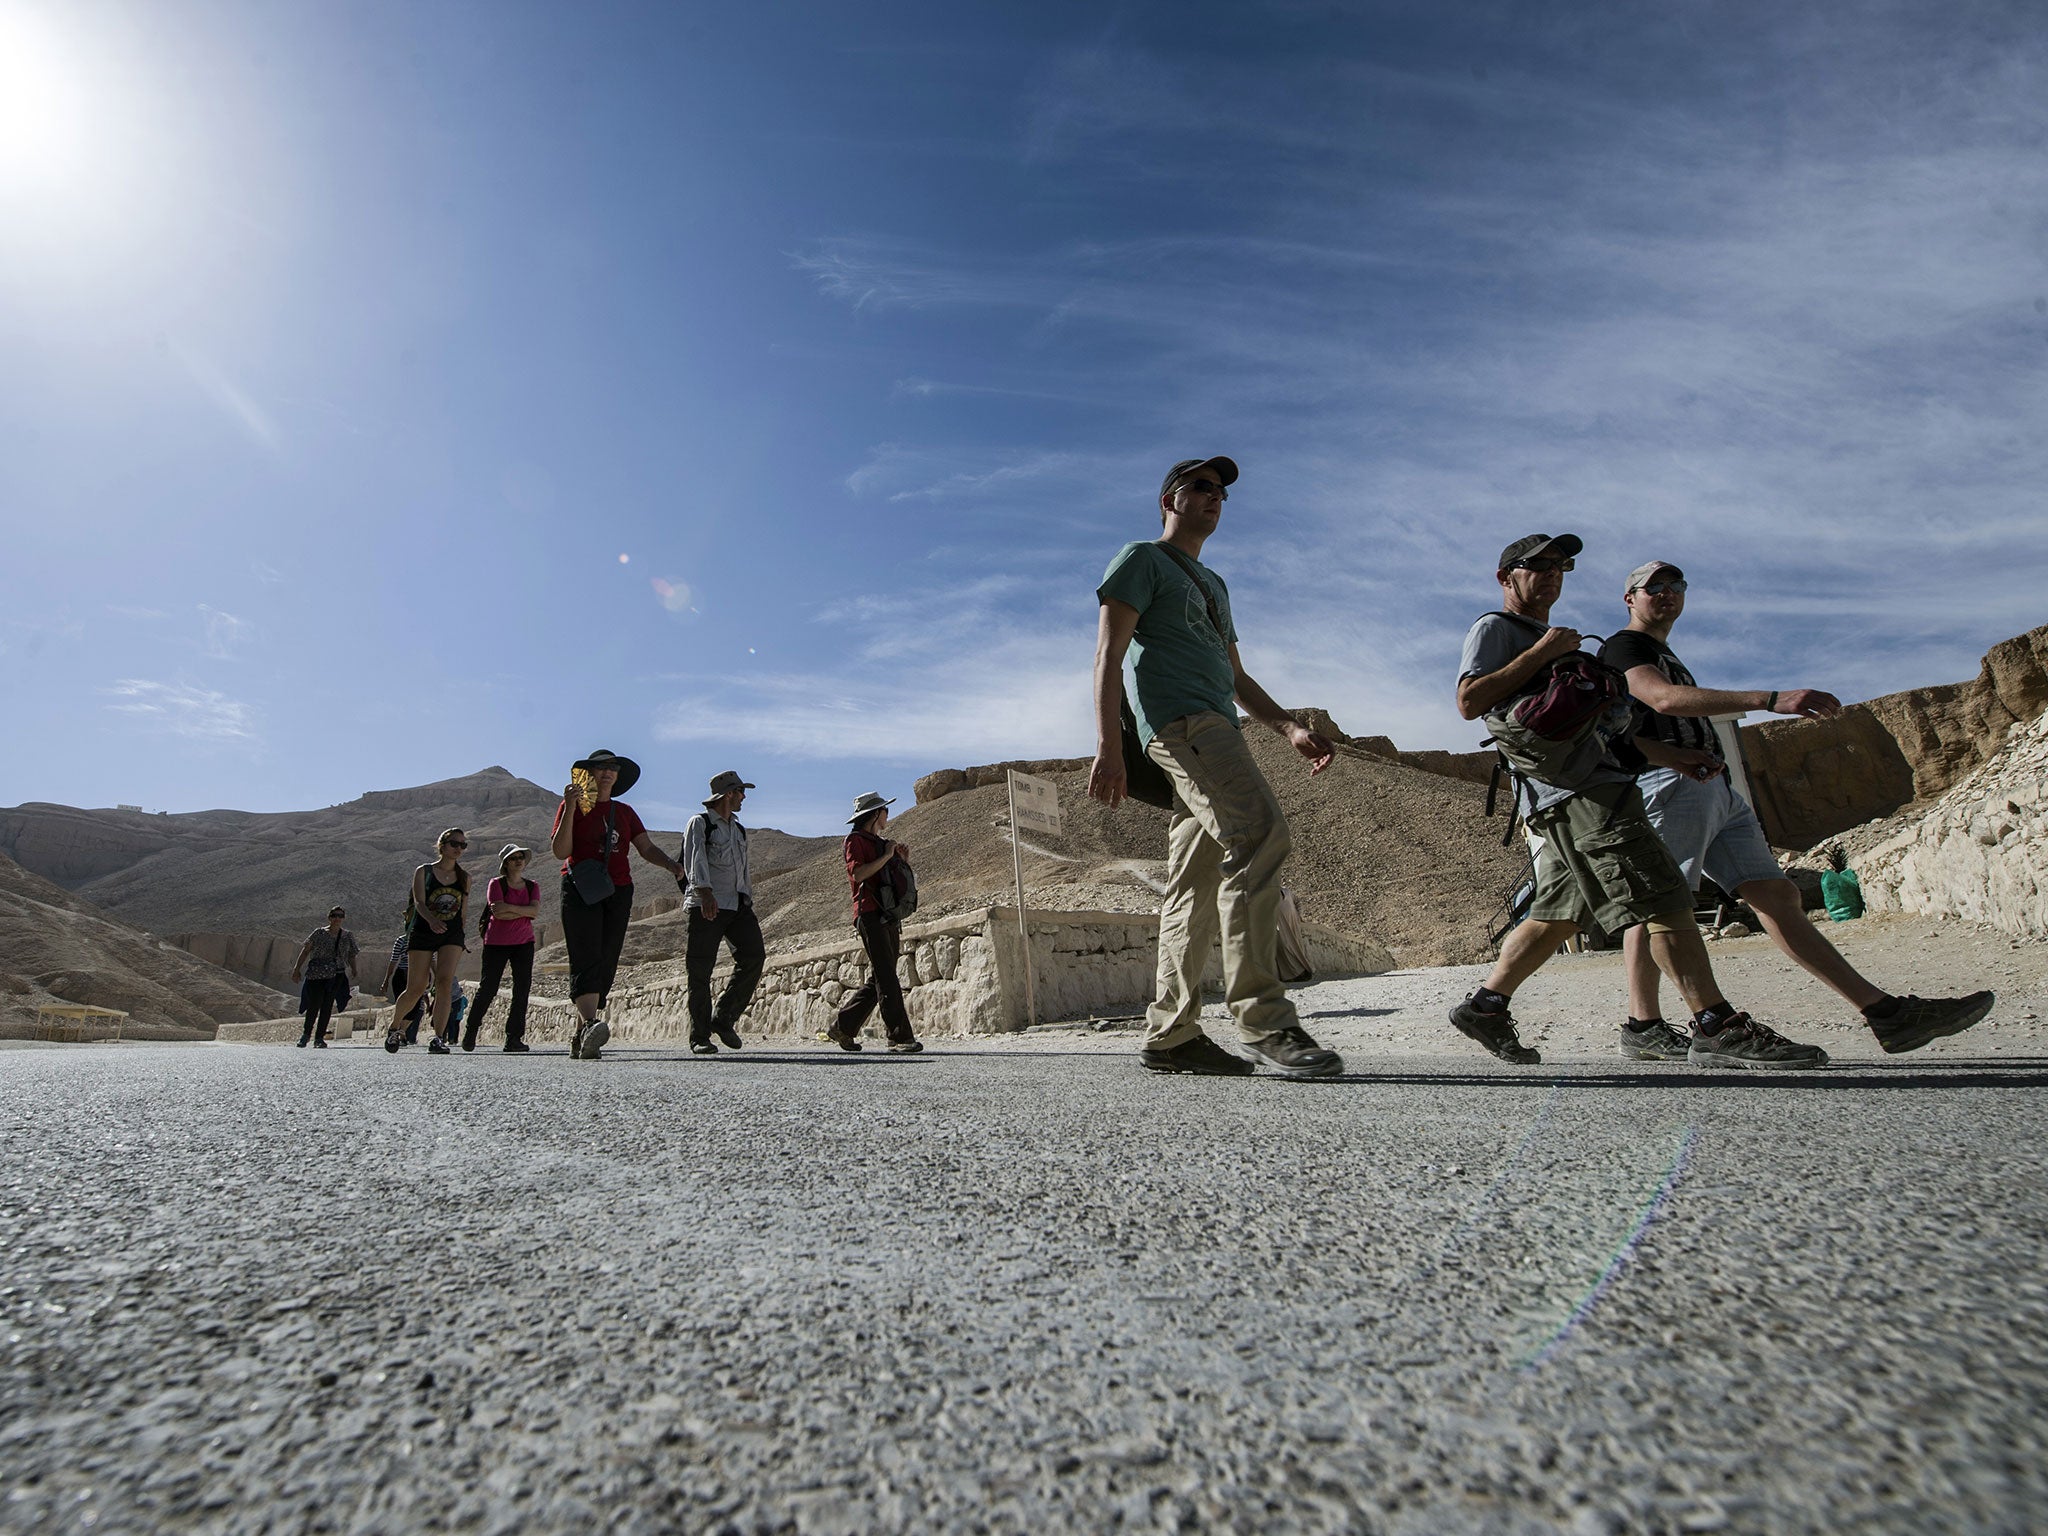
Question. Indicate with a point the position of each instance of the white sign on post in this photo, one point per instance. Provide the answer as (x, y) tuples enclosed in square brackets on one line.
[(1037, 804)]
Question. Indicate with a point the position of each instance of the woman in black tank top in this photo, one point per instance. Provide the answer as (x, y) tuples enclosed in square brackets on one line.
[(434, 940)]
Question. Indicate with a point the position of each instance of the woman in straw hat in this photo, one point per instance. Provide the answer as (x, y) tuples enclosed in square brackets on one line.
[(511, 903), (593, 830), (870, 866)]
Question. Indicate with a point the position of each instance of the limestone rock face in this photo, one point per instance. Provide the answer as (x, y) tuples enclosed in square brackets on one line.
[(1817, 778), (935, 786), (1981, 852)]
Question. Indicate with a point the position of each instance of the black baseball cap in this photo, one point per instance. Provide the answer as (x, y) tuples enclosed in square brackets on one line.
[(1565, 545), (1226, 471)]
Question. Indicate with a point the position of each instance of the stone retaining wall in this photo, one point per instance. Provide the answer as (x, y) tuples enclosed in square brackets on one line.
[(962, 975)]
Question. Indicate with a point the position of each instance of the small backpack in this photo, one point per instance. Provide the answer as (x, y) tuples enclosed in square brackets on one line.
[(896, 889), (1556, 733)]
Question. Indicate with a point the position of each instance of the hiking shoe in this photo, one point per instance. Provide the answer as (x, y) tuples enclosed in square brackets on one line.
[(1655, 1041), (1294, 1053), (469, 1039), (437, 1046), (1742, 1042), (517, 1048), (1921, 1019), (1199, 1055), (320, 1044), (305, 1039), (393, 1040), (700, 1045), (844, 1042), (729, 1036), (591, 1038), (1495, 1031), (906, 1047)]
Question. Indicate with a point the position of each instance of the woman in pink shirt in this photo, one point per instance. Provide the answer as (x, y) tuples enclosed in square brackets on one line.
[(510, 905)]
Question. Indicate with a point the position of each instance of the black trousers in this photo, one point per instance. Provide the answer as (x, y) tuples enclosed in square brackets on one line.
[(596, 934), (882, 938), (738, 927), (496, 958), (317, 998)]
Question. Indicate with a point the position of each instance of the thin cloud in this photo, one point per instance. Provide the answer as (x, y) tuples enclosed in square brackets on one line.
[(180, 709), (223, 634)]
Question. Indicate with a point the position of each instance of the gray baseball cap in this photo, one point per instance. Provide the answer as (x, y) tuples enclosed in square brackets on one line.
[(1564, 544), (1226, 471), (1642, 574)]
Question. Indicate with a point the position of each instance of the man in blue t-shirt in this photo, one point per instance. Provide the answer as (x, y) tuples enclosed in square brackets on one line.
[(1228, 838)]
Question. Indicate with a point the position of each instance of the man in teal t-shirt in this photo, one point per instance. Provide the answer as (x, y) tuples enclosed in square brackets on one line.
[(1228, 838)]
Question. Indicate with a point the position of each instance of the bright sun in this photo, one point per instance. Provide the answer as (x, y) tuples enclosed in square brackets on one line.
[(43, 124)]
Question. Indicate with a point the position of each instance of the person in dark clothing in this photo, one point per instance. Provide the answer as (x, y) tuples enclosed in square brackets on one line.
[(327, 960), (434, 940), (718, 888), (871, 860), (591, 835), (511, 901)]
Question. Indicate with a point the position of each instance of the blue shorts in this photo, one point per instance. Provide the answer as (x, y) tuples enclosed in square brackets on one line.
[(1709, 828)]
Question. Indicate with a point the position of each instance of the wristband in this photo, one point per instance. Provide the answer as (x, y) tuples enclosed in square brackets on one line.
[(1771, 704)]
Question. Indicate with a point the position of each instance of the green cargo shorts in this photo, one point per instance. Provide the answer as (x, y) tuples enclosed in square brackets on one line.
[(1602, 864)]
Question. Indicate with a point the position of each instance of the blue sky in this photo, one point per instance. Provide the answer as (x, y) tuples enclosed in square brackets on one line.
[(351, 347)]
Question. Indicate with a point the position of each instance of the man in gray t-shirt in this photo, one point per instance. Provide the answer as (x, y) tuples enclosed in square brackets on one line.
[(1601, 863)]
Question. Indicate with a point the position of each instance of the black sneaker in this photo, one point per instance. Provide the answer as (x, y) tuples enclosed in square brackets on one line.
[(1495, 1031), (700, 1045), (1921, 1019), (727, 1035), (844, 1042), (437, 1046), (1655, 1041), (517, 1048), (320, 1044), (1294, 1053), (906, 1047), (305, 1038), (394, 1040), (1742, 1042), (1201, 1056), (469, 1039)]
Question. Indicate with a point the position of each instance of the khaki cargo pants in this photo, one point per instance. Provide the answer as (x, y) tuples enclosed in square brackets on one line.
[(1224, 850)]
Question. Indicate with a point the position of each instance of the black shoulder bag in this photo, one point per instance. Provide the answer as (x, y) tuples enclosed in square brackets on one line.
[(1145, 779), (593, 877)]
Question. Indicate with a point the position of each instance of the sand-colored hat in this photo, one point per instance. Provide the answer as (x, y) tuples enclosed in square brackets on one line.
[(724, 785), (866, 805)]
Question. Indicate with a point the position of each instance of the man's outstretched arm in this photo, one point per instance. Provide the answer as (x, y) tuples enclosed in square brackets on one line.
[(1108, 780), (1657, 691), (1260, 706)]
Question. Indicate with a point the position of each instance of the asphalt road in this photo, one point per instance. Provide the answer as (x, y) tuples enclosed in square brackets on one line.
[(253, 1288)]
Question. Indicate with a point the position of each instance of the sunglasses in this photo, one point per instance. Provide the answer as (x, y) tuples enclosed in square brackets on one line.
[(1543, 565), (1659, 588), (453, 844), (1204, 488)]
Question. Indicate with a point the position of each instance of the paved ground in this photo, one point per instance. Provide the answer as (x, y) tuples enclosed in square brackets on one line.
[(251, 1288)]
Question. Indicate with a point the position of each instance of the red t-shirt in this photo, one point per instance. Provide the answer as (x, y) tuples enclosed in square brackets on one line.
[(587, 840), (862, 848)]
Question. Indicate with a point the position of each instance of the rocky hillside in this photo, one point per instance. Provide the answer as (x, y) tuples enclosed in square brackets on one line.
[(1979, 853), (1817, 778), (55, 947)]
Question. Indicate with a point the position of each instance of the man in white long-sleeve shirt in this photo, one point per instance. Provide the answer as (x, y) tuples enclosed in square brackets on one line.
[(718, 889)]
